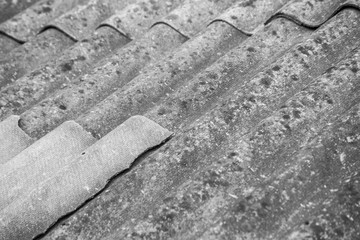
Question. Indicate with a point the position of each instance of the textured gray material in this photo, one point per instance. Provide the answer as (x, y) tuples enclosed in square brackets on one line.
[(6, 45), (112, 73), (12, 139), (83, 176), (135, 19), (312, 13), (134, 197), (228, 73), (119, 69), (280, 170), (28, 23), (41, 160), (259, 152), (193, 16), (9, 8), (154, 81), (247, 16), (39, 50), (191, 94), (81, 20)]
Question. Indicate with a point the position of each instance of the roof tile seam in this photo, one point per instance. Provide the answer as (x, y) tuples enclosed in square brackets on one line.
[(21, 35), (146, 153), (279, 14), (58, 29), (11, 37), (169, 25)]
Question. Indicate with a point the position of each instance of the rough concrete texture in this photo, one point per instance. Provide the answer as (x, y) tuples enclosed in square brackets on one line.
[(138, 194), (247, 16), (6, 45), (187, 67), (230, 72), (9, 8), (82, 20), (263, 177), (312, 13), (12, 139), (85, 174), (91, 88), (52, 42), (41, 160), (28, 23), (193, 16), (265, 145), (136, 18), (119, 69), (46, 46)]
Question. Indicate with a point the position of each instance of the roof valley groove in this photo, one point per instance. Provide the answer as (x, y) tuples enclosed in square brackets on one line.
[(188, 151)]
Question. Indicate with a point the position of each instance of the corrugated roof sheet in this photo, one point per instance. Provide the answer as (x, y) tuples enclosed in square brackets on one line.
[(262, 98)]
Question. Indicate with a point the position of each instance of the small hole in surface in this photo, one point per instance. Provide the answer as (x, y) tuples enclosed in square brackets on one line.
[(62, 107)]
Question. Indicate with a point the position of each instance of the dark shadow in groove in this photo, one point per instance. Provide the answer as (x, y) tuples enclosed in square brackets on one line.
[(232, 25), (11, 37), (116, 29), (136, 162), (58, 29), (167, 24)]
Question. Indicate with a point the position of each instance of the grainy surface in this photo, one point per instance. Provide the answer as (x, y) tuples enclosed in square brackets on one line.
[(262, 97), (79, 178), (12, 139), (41, 160)]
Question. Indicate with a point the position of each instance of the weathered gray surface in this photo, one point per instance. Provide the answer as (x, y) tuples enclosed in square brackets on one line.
[(181, 68), (82, 20), (247, 16), (259, 151), (12, 139), (312, 13), (6, 45), (191, 94), (41, 160), (45, 47), (93, 87), (136, 18), (301, 161), (192, 17), (85, 175), (9, 8), (48, 44), (28, 23), (269, 174), (118, 69), (131, 198)]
